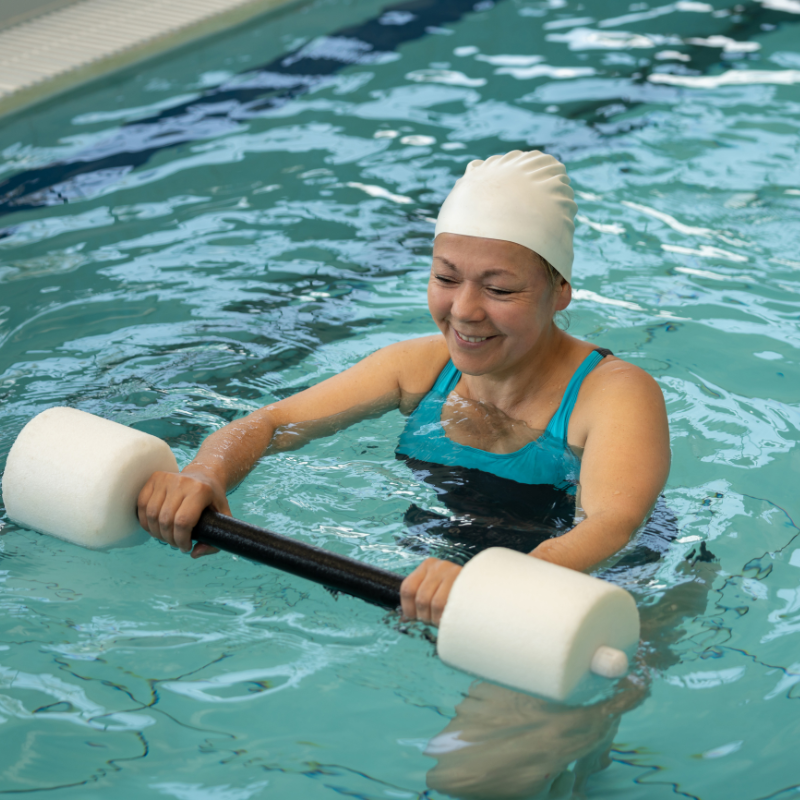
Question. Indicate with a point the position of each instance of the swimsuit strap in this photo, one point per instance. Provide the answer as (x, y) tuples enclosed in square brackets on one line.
[(447, 380), (559, 424)]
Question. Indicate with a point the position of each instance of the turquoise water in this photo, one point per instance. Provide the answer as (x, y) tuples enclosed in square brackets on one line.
[(189, 241)]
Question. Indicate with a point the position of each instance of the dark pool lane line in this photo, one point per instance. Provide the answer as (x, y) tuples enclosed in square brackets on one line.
[(220, 109), (272, 85)]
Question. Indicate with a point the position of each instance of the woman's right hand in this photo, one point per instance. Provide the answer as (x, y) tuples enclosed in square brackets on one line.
[(170, 504)]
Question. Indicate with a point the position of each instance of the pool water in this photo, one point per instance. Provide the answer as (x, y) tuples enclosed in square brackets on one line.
[(235, 221)]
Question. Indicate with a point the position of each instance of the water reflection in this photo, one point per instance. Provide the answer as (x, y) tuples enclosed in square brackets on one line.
[(222, 274), (502, 744)]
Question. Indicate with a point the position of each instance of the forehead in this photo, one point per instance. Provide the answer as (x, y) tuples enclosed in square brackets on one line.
[(478, 254)]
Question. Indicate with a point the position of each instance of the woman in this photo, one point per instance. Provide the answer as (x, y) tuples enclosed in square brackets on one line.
[(502, 389)]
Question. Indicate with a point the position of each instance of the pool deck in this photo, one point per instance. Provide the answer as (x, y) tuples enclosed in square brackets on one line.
[(51, 46)]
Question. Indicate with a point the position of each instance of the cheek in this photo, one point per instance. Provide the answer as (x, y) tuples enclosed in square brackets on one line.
[(436, 301), (525, 321)]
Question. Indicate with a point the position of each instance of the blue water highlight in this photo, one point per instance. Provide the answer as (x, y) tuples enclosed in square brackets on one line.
[(216, 229)]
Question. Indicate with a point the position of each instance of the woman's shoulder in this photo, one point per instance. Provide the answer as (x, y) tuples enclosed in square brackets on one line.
[(418, 362), (613, 371), (619, 401), (619, 385)]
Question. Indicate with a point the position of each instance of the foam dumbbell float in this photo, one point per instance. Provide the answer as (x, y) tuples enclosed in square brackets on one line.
[(510, 618)]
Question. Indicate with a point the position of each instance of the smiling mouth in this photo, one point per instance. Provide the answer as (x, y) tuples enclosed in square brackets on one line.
[(471, 339)]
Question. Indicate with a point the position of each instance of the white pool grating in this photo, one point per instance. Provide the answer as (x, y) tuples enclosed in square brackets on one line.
[(60, 49)]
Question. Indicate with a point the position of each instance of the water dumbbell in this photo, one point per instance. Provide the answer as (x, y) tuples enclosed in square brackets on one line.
[(510, 618)]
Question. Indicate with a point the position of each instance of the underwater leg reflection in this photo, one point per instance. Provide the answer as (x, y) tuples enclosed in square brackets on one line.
[(503, 744)]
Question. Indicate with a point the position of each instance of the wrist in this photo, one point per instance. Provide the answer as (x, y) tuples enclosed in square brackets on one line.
[(205, 474), (546, 551)]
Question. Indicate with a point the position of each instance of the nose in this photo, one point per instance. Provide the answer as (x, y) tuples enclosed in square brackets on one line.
[(467, 304)]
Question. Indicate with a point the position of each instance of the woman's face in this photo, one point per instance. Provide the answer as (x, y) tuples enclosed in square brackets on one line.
[(492, 300)]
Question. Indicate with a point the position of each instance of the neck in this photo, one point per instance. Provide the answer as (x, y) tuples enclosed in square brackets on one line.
[(512, 388)]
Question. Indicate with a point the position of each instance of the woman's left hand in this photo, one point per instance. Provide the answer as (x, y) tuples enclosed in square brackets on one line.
[(424, 592)]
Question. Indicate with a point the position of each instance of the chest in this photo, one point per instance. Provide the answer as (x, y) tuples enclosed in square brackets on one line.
[(484, 426)]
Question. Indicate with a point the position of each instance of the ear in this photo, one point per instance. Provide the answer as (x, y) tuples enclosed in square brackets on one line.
[(563, 295)]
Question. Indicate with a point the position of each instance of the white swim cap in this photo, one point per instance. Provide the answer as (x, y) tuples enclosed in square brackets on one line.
[(517, 197)]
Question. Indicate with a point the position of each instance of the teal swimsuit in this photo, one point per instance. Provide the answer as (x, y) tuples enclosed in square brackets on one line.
[(487, 506), (547, 460)]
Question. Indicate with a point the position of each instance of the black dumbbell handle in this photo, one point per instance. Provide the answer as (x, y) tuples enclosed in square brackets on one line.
[(341, 573)]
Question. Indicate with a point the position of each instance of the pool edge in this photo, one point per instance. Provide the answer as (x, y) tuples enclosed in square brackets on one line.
[(169, 38)]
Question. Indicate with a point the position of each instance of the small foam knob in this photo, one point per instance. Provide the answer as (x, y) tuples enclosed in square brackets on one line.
[(608, 662), (533, 625), (77, 476)]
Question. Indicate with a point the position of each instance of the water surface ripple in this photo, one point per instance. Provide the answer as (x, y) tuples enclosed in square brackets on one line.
[(241, 219)]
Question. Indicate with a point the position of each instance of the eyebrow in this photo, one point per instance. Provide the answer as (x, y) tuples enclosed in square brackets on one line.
[(488, 274)]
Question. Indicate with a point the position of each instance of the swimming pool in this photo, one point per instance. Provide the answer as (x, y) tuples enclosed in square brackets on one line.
[(242, 218)]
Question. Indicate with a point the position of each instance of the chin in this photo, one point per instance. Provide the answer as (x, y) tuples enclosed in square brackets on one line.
[(468, 366)]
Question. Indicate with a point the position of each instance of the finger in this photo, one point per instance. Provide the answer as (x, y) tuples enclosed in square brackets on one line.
[(201, 549), (154, 510), (221, 505), (434, 590), (408, 591), (426, 591), (186, 517), (442, 594), (409, 587), (166, 516), (142, 501)]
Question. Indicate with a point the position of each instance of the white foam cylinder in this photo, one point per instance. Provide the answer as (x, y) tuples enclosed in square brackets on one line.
[(77, 476), (533, 625)]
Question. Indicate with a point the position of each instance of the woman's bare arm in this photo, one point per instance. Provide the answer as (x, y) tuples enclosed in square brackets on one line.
[(170, 504), (624, 467)]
